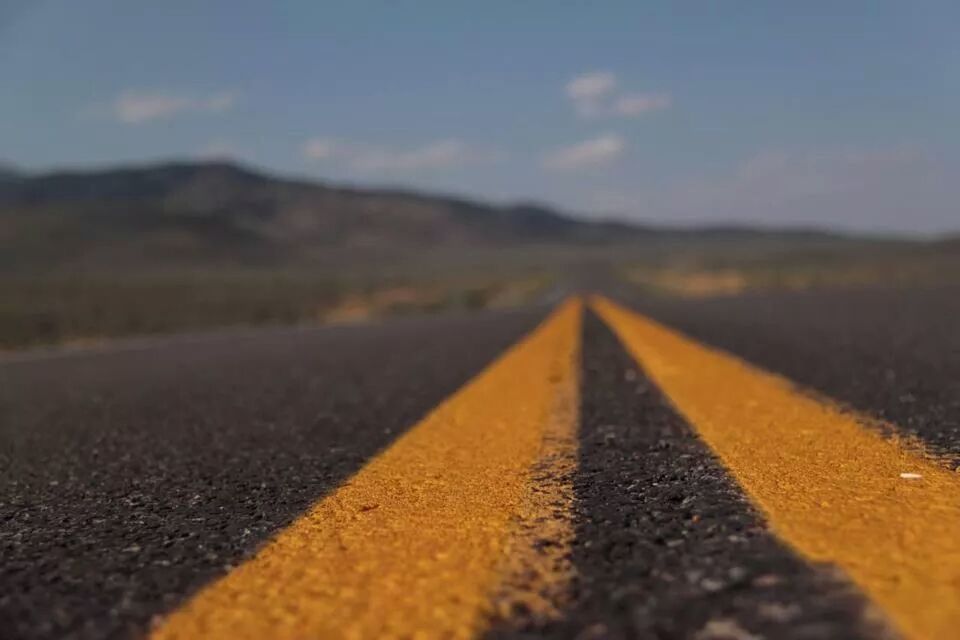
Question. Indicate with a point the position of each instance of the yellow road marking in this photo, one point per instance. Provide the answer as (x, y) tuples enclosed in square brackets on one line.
[(537, 568), (412, 544), (829, 487)]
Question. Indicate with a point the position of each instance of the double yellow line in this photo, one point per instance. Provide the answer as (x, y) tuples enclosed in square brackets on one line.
[(416, 543), (435, 531)]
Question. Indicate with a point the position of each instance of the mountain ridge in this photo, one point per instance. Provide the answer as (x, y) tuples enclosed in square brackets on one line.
[(197, 211)]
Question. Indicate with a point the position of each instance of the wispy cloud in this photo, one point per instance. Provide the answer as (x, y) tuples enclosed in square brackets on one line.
[(140, 106), (596, 94), (440, 154), (641, 103), (320, 149), (589, 90), (589, 153)]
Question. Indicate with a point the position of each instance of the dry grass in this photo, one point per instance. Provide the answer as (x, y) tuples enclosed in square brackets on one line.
[(59, 309), (733, 276)]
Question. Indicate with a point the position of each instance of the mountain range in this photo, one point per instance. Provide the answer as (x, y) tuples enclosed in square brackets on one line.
[(217, 212)]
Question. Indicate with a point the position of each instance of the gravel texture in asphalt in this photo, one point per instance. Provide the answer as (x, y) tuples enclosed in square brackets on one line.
[(129, 478), (890, 353), (666, 544), (132, 475)]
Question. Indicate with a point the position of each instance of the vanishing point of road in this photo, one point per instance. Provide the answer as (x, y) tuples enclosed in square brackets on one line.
[(772, 465)]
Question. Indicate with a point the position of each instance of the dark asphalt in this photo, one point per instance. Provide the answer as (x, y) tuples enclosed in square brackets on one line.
[(129, 479), (893, 354), (666, 544)]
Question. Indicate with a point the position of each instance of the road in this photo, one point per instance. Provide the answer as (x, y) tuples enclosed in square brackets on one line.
[(581, 471)]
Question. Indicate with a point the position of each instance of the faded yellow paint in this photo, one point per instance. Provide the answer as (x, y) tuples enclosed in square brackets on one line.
[(537, 568), (829, 487), (412, 545)]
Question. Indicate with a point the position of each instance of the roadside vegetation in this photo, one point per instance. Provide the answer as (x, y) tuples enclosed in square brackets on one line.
[(733, 273), (51, 309), (63, 307)]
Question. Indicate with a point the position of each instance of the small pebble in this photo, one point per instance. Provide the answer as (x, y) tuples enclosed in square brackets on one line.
[(711, 585)]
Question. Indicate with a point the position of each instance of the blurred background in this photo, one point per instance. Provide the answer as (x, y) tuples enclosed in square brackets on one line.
[(180, 166)]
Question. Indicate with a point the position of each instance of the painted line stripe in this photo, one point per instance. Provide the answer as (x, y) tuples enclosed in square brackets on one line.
[(829, 487), (413, 545), (537, 569)]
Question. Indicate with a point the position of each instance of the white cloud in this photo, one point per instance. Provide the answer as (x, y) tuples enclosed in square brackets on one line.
[(588, 91), (595, 94), (137, 107), (591, 85), (319, 149), (641, 103), (589, 153), (440, 154)]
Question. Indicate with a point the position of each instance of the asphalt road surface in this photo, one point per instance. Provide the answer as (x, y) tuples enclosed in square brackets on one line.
[(186, 487)]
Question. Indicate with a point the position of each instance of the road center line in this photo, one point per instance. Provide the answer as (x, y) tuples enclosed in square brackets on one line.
[(413, 545), (828, 486), (537, 569)]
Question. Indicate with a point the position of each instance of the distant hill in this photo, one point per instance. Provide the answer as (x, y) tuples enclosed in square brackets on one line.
[(206, 213), (9, 172)]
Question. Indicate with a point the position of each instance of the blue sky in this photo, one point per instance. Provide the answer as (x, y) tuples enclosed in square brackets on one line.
[(826, 113)]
